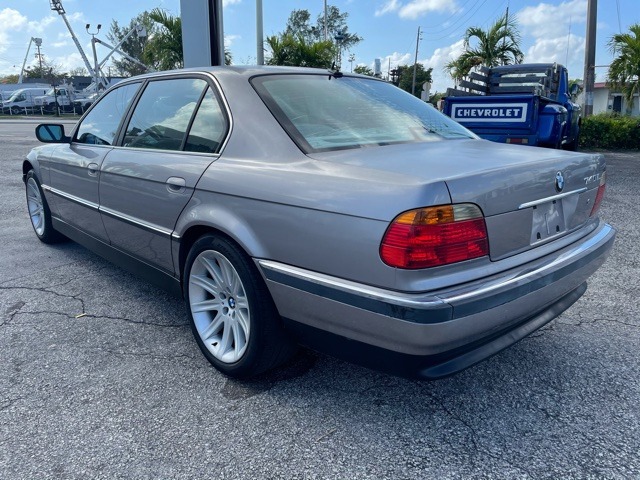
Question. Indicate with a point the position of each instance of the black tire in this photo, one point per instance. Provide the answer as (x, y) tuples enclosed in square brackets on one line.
[(259, 342), (40, 218)]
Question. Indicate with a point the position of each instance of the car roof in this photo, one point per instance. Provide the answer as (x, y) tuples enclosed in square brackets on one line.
[(244, 70)]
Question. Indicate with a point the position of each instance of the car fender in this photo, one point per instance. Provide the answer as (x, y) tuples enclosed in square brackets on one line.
[(199, 217)]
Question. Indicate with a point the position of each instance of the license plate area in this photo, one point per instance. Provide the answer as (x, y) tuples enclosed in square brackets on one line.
[(548, 221)]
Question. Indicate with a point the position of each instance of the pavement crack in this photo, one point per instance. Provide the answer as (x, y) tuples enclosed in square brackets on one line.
[(129, 320), (475, 437)]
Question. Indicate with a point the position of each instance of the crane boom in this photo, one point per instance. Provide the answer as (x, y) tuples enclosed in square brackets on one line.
[(56, 5)]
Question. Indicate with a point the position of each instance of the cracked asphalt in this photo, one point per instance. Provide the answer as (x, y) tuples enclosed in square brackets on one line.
[(100, 378)]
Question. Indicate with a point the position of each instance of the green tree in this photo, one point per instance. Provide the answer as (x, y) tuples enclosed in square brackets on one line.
[(134, 45), (624, 71), (164, 48), (12, 78), (499, 45), (299, 25), (405, 73), (290, 50), (363, 70), (78, 72), (49, 71)]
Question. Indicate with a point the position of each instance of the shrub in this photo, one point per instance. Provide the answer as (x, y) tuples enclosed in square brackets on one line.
[(610, 131)]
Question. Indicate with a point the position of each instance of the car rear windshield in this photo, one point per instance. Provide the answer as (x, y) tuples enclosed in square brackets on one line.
[(322, 112)]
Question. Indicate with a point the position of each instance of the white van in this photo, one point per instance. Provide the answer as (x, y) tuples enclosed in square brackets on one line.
[(22, 99)]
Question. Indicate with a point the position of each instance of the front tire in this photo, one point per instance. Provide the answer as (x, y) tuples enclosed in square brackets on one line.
[(233, 317), (39, 212)]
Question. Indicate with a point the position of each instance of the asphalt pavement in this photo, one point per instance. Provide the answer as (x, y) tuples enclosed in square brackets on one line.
[(100, 378)]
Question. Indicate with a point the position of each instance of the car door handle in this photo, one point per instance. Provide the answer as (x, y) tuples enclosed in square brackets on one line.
[(176, 184), (93, 169)]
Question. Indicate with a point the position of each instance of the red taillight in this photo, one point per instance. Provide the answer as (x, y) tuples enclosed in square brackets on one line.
[(599, 195), (429, 237)]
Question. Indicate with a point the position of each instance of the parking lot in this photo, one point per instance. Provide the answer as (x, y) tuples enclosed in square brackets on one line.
[(100, 378)]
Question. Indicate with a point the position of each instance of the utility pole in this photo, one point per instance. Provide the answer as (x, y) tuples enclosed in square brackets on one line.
[(590, 57), (326, 34), (38, 43), (259, 34), (415, 65)]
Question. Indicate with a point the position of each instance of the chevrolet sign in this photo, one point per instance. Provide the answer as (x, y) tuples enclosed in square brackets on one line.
[(481, 112)]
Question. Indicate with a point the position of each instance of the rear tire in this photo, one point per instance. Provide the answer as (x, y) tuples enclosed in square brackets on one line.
[(39, 212), (233, 317)]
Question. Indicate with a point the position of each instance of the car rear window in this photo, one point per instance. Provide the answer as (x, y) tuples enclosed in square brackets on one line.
[(322, 112)]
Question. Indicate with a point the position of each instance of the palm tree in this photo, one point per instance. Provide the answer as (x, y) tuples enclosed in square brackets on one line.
[(624, 71), (287, 49), (499, 45), (164, 49)]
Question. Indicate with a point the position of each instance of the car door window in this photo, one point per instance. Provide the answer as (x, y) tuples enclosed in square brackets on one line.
[(161, 118), (100, 125), (209, 126)]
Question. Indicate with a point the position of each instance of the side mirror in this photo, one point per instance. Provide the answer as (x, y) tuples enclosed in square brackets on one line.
[(51, 133), (574, 89)]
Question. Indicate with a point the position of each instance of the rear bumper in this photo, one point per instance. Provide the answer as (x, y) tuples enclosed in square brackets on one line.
[(434, 334)]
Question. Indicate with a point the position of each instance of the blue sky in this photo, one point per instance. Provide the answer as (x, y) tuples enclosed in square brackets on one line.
[(553, 30)]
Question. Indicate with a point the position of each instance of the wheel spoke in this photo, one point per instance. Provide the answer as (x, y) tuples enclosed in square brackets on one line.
[(212, 268), (205, 283), (227, 273), (242, 318), (214, 327), (206, 306)]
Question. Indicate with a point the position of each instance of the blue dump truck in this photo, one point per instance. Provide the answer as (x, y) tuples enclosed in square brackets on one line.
[(528, 104)]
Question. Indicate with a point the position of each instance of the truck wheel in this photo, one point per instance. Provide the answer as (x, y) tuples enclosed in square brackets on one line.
[(233, 317)]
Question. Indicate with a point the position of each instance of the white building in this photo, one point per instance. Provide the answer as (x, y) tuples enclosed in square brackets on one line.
[(604, 100)]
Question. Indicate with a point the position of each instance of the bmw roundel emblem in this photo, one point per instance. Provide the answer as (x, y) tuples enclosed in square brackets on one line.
[(559, 181)]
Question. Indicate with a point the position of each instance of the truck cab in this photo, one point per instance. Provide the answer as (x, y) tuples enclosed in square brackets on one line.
[(529, 104)]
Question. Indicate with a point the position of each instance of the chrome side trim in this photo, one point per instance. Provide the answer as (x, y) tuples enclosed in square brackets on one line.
[(136, 222), (552, 198), (411, 301), (72, 198)]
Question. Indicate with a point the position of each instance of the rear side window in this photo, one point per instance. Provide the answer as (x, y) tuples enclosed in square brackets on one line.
[(209, 126), (161, 118), (100, 125)]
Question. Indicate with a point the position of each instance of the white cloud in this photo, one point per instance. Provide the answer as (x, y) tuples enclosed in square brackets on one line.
[(565, 50), (441, 56), (395, 58), (547, 21), (9, 20), (60, 44), (415, 8), (38, 27), (68, 62), (229, 39), (226, 3), (389, 6)]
